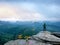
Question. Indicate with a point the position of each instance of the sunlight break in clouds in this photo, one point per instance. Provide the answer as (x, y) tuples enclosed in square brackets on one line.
[(11, 13)]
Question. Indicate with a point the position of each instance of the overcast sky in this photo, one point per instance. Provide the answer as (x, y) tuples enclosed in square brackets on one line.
[(30, 10)]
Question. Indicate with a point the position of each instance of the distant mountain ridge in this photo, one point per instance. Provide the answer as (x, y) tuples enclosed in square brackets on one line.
[(52, 26)]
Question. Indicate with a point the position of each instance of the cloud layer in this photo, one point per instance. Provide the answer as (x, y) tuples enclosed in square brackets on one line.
[(30, 10), (12, 13)]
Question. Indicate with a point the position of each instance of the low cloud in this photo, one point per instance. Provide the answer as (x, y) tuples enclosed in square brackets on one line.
[(11, 13)]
